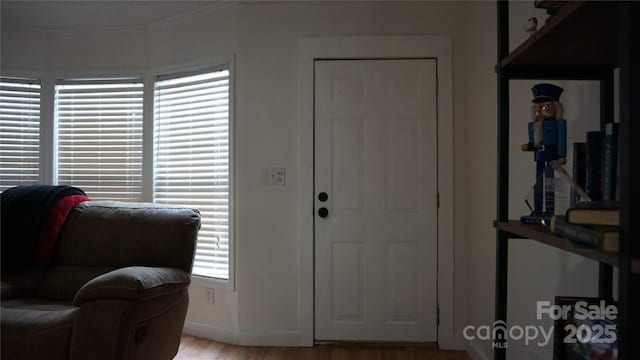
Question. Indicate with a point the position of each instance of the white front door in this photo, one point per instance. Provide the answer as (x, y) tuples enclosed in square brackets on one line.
[(376, 200)]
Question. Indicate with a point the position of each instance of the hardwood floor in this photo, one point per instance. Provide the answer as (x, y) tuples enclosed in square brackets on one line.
[(192, 348)]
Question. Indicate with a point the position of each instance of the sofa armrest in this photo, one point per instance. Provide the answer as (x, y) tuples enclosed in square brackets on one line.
[(135, 283)]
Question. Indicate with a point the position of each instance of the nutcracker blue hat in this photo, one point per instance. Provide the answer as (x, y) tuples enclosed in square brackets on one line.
[(546, 92)]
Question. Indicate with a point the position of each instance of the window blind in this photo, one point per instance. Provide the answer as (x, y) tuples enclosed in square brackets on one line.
[(99, 138), (19, 132), (192, 152)]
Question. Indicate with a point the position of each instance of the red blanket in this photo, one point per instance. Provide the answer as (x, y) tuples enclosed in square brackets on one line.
[(32, 217)]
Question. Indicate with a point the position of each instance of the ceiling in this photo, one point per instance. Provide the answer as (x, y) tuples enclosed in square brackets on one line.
[(58, 15)]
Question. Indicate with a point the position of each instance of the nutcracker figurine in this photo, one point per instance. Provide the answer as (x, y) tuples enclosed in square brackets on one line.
[(548, 142)]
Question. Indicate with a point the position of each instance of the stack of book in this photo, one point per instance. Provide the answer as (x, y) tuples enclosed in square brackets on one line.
[(591, 225), (596, 164)]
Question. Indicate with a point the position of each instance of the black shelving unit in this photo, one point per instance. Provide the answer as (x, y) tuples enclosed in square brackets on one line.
[(584, 40)]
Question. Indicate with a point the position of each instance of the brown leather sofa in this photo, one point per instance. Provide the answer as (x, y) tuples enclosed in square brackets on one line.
[(117, 288)]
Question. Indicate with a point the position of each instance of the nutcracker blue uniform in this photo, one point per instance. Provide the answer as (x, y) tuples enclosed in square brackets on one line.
[(547, 141)]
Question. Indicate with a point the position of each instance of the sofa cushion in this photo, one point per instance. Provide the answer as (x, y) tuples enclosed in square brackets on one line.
[(34, 329), (63, 282), (20, 285)]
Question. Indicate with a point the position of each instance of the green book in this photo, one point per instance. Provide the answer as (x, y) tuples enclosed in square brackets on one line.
[(605, 238)]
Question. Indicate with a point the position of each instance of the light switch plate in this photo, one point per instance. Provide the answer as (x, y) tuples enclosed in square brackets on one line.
[(273, 176)]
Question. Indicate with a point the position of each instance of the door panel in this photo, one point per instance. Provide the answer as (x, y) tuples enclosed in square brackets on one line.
[(348, 281), (346, 163), (375, 157)]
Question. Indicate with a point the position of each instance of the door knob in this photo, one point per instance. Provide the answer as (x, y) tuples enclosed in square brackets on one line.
[(323, 196), (323, 212)]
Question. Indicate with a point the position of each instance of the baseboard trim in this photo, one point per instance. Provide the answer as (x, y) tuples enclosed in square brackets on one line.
[(269, 338), (243, 338), (210, 332)]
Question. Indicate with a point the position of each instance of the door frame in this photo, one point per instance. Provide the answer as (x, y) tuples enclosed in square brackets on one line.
[(363, 48)]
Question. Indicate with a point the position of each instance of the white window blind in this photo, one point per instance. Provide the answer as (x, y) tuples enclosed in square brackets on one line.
[(192, 152), (19, 132), (99, 137)]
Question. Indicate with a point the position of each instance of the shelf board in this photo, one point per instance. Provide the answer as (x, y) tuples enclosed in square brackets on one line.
[(542, 234), (578, 37)]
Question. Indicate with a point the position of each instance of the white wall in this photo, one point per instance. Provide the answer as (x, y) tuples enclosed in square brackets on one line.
[(24, 49), (481, 166), (265, 306)]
